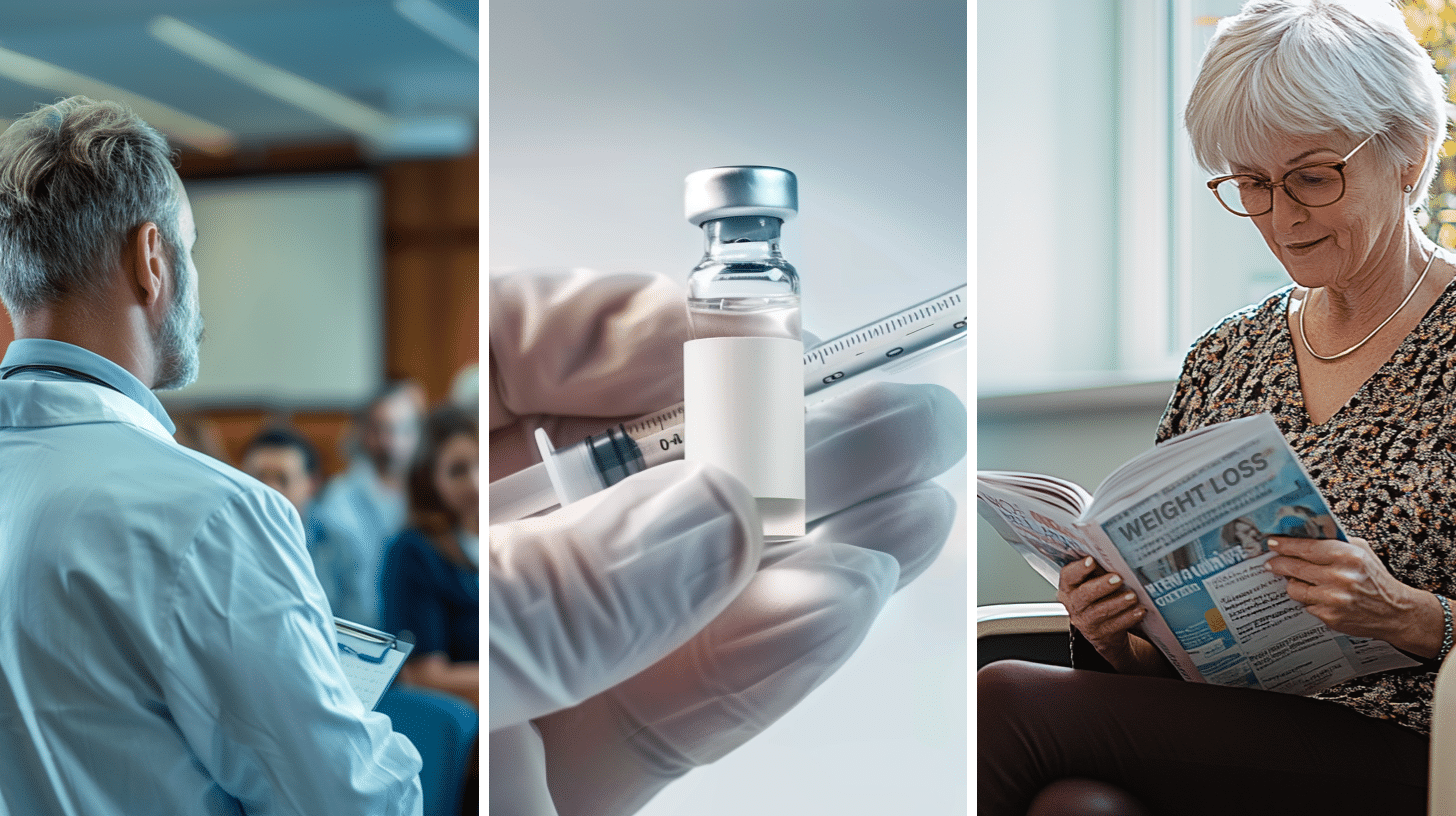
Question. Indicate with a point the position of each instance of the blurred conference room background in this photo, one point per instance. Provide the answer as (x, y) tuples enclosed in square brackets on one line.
[(329, 150)]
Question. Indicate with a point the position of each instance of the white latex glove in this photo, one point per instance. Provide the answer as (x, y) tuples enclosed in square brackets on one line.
[(645, 630)]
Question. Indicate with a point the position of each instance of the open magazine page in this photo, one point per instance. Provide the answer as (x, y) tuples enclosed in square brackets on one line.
[(1037, 515), (1172, 459), (1197, 549), (1041, 517)]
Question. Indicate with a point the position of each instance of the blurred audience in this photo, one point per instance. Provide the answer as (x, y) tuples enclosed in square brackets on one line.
[(364, 507), (465, 388), (432, 569), (432, 574), (286, 461)]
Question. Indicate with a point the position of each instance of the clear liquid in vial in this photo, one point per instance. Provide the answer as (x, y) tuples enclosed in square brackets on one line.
[(773, 316)]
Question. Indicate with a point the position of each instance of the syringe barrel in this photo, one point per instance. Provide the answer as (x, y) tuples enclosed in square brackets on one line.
[(887, 342), (620, 451), (615, 454), (600, 460)]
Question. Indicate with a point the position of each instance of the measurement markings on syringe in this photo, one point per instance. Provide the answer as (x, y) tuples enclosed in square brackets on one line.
[(657, 422), (657, 438), (858, 347)]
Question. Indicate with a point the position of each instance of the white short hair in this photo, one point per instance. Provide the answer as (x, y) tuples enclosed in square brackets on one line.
[(1318, 68)]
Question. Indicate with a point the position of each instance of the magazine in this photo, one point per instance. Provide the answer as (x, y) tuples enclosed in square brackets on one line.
[(1186, 525)]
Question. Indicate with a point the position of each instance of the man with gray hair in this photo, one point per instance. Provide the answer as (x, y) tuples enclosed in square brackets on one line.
[(164, 644)]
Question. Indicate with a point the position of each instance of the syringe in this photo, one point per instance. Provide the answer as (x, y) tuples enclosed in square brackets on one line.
[(909, 337)]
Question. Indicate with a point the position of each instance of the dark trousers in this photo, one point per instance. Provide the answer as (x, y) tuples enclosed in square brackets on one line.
[(1182, 749)]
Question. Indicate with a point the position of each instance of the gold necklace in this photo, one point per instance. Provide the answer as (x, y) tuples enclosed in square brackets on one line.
[(1305, 337)]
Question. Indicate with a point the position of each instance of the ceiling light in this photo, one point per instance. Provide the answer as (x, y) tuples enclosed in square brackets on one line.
[(185, 128), (270, 79), (441, 24)]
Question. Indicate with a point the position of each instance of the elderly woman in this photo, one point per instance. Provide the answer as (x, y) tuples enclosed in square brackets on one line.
[(1323, 121)]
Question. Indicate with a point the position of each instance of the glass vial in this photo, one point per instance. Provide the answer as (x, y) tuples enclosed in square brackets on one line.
[(743, 374), (742, 287)]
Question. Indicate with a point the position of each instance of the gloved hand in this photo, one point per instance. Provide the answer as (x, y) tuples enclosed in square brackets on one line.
[(646, 630)]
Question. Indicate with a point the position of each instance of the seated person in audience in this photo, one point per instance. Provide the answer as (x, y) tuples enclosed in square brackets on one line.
[(286, 461), (465, 388), (431, 571), (363, 508)]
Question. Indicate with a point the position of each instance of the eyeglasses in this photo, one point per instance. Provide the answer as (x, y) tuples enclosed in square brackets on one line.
[(1312, 185)]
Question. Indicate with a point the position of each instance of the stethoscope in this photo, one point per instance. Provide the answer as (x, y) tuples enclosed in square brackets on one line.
[(55, 369)]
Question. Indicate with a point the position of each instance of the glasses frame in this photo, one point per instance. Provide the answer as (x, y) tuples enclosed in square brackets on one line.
[(1338, 165)]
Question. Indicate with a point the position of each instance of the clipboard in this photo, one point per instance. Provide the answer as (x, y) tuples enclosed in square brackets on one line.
[(370, 658)]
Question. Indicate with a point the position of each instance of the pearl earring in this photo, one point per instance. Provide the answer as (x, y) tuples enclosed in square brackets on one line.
[(1409, 187)]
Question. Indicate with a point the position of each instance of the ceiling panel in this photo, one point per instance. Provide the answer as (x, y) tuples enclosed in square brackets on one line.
[(365, 50)]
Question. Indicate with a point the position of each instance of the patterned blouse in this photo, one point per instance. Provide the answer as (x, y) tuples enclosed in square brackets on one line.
[(1386, 461)]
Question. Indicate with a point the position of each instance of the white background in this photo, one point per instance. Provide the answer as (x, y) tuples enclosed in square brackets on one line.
[(597, 113)]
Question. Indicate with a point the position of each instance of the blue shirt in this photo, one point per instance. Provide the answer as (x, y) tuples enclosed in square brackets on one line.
[(435, 601), (34, 351), (356, 517), (164, 644)]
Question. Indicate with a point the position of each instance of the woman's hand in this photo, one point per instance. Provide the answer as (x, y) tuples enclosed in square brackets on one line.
[(1104, 610), (1347, 586)]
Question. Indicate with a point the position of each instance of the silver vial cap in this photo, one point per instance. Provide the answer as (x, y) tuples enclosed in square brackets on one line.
[(724, 192)]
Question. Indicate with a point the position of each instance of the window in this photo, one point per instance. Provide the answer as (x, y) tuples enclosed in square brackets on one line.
[(1100, 254), (1434, 24)]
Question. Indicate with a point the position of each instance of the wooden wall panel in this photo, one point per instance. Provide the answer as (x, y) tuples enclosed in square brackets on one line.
[(414, 315), (432, 271), (433, 198), (465, 312)]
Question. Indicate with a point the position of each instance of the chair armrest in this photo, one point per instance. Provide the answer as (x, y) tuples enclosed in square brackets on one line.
[(1026, 631), (1442, 792), (1024, 619)]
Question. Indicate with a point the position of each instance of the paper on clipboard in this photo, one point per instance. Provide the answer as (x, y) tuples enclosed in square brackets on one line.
[(370, 658)]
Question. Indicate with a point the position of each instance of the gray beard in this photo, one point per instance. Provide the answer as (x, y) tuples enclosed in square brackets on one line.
[(178, 338)]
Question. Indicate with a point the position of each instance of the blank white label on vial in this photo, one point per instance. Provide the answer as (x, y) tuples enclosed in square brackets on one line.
[(744, 406)]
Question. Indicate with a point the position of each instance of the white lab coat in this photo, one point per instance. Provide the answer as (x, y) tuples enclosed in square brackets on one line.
[(164, 645)]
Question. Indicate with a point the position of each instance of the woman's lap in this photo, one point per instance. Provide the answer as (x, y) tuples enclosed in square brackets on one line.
[(1188, 748)]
